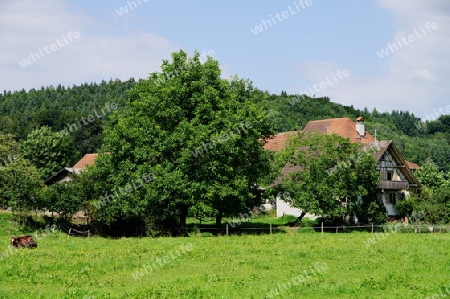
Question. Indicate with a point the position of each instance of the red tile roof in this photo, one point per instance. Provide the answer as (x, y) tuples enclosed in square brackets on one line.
[(343, 127), (412, 165), (277, 142), (87, 160)]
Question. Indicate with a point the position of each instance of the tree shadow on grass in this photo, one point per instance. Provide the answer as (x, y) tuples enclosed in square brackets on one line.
[(244, 228)]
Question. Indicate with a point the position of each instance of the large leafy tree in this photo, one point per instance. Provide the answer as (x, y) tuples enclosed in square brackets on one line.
[(19, 179), (432, 204), (48, 151), (64, 198), (330, 174), (430, 176), (197, 134)]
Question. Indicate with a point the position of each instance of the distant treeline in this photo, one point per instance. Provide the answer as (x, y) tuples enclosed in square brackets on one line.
[(60, 107)]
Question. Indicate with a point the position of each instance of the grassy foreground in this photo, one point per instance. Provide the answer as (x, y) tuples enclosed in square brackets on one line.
[(294, 265)]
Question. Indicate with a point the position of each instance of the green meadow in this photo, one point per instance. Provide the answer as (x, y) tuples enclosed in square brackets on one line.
[(282, 265)]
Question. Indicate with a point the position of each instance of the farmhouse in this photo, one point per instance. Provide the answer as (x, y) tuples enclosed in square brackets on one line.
[(396, 174), (65, 174)]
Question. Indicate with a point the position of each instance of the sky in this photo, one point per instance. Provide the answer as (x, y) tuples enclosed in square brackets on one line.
[(383, 54)]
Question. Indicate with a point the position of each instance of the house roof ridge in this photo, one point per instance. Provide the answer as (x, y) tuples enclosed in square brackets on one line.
[(331, 119)]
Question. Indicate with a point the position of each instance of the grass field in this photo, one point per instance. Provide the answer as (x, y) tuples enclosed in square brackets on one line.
[(292, 265)]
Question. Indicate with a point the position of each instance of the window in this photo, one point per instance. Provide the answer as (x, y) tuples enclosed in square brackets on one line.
[(389, 175)]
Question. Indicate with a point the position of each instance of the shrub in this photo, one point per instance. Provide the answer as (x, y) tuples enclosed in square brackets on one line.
[(206, 235), (306, 222), (203, 235), (395, 227)]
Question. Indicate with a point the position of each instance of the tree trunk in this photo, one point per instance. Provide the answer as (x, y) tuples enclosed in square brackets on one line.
[(299, 219), (219, 220)]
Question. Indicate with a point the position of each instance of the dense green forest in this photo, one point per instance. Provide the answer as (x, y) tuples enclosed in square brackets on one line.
[(64, 108), (21, 112)]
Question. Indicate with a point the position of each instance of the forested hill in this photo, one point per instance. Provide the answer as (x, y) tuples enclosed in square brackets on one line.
[(23, 111)]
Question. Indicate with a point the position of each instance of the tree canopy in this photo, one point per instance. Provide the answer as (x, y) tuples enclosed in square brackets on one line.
[(197, 134), (330, 174), (48, 151), (19, 179)]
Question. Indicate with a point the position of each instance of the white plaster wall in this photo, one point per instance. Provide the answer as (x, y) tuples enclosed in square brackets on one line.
[(286, 209), (390, 208)]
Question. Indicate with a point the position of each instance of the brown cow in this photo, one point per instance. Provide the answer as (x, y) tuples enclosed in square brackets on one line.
[(25, 242)]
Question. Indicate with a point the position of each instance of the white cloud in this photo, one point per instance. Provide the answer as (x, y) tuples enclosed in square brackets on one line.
[(29, 25), (415, 76)]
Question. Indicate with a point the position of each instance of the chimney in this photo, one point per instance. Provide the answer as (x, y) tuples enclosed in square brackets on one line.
[(360, 127)]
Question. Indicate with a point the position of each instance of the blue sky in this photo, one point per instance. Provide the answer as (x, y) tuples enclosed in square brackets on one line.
[(310, 44)]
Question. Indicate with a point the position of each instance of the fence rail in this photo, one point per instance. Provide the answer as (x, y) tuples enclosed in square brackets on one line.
[(393, 228), (270, 229)]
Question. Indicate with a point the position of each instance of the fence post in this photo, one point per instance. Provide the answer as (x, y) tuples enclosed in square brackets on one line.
[(271, 228), (372, 228), (89, 233), (322, 228), (226, 229)]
